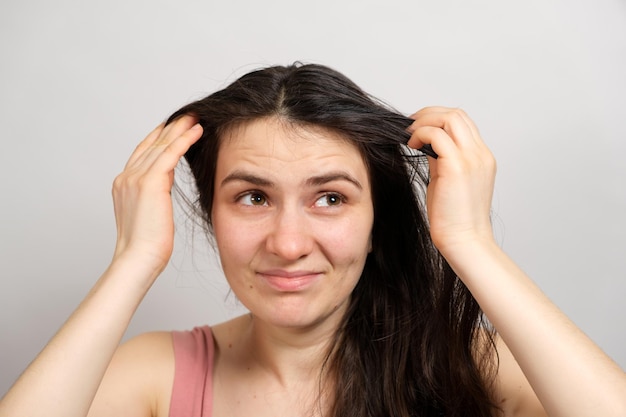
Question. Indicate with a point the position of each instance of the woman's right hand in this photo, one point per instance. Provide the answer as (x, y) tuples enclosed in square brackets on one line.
[(142, 196), (68, 373)]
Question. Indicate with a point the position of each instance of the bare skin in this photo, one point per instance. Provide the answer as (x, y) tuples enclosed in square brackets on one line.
[(547, 366)]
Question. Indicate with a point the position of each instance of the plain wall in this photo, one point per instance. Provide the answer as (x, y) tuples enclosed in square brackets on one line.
[(82, 82)]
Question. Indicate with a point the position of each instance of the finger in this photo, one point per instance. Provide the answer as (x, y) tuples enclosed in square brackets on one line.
[(430, 110), (433, 109), (141, 147), (175, 129), (447, 110), (470, 123), (169, 133), (454, 122), (171, 154), (426, 148), (436, 137)]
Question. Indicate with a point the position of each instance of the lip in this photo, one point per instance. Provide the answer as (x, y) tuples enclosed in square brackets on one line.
[(289, 281)]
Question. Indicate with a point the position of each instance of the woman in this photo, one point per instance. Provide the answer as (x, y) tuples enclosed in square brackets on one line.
[(360, 305)]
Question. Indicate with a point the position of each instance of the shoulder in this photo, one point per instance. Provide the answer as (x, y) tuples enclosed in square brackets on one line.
[(513, 392), (139, 379)]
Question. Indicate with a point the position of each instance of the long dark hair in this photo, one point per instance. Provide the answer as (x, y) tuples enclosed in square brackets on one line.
[(413, 341)]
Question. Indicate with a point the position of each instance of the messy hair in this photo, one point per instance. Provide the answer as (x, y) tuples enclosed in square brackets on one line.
[(413, 341)]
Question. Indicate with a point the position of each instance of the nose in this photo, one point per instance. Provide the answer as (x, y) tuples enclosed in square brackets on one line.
[(290, 237)]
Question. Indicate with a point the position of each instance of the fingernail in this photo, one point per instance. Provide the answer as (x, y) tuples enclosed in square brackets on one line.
[(196, 126)]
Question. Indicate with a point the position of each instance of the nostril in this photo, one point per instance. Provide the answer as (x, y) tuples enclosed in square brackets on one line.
[(289, 246), (290, 236)]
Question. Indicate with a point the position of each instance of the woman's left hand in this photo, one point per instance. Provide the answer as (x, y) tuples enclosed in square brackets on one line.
[(462, 177)]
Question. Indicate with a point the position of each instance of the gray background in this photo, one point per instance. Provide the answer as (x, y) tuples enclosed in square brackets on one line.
[(82, 82)]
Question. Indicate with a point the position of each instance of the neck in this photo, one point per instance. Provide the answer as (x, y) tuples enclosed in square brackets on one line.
[(292, 355), (275, 360)]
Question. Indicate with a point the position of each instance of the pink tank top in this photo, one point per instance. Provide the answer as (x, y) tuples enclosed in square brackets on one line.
[(192, 394)]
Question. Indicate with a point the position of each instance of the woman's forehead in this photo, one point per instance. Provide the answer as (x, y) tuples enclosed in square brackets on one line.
[(272, 144), (263, 134), (283, 126)]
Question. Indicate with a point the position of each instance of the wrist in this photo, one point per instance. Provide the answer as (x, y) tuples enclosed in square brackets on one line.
[(461, 245), (471, 256), (134, 269)]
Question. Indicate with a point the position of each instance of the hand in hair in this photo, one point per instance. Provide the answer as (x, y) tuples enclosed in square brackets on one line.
[(73, 364), (462, 178), (560, 366), (141, 194)]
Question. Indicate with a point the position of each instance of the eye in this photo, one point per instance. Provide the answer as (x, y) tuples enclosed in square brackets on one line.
[(329, 200), (252, 199)]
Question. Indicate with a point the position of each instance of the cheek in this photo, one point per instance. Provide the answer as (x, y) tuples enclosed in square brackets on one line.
[(234, 242), (348, 243)]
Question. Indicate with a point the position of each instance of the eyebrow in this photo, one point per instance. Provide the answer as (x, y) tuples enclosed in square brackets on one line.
[(333, 176), (247, 177), (312, 181)]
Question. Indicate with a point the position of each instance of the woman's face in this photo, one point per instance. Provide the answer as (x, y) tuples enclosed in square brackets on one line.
[(292, 216)]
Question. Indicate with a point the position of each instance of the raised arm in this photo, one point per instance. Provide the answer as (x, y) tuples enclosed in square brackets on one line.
[(64, 378), (570, 375)]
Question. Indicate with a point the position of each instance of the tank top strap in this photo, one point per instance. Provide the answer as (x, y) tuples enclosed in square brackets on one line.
[(192, 393)]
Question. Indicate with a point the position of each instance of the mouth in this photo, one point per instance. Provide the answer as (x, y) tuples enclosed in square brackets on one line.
[(289, 281)]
